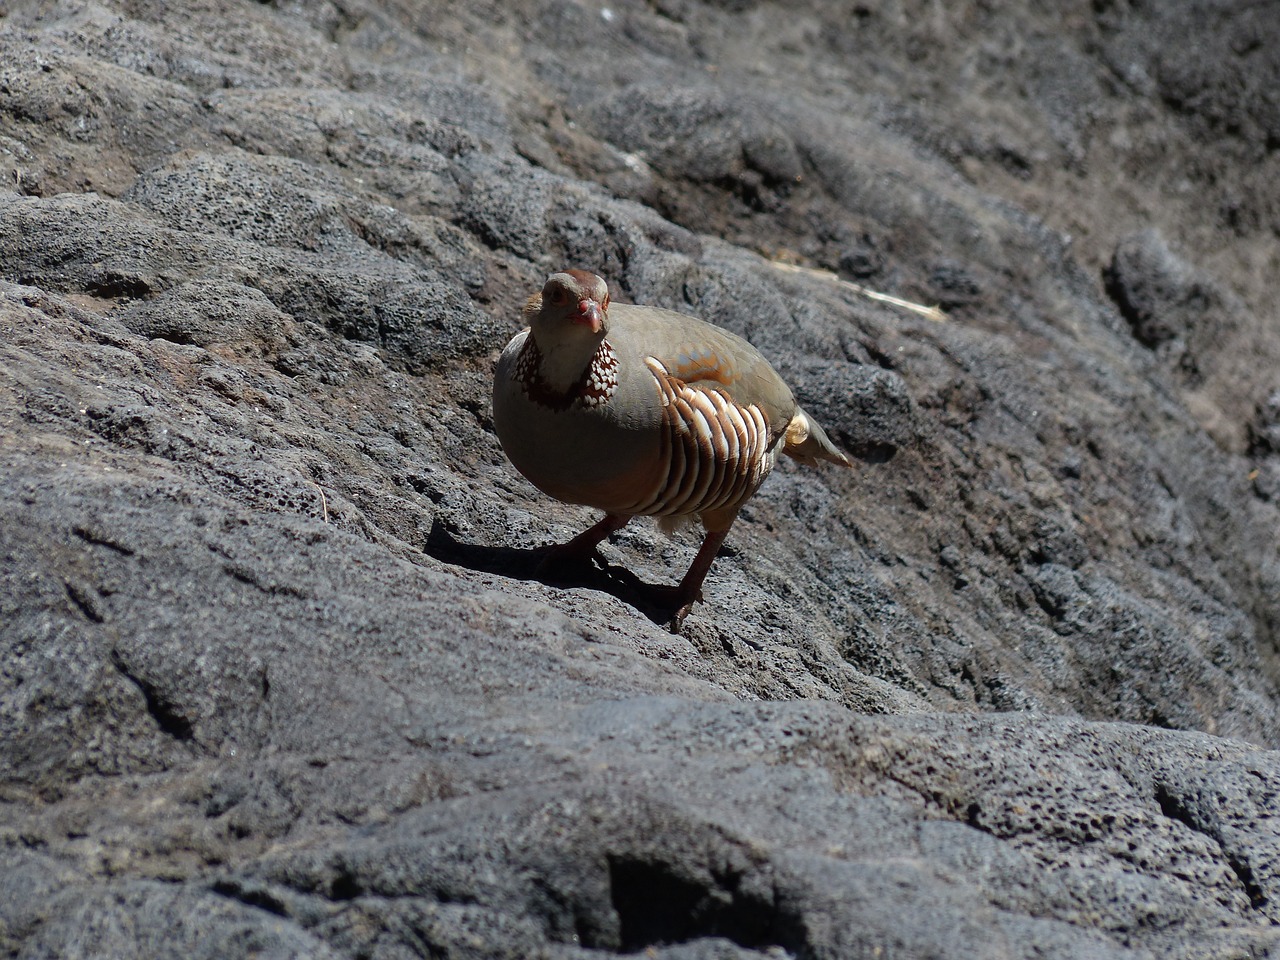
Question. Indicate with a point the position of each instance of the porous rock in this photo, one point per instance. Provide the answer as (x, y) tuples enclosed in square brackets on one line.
[(278, 673)]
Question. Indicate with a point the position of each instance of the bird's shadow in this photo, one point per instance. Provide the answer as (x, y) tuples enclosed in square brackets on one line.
[(540, 564)]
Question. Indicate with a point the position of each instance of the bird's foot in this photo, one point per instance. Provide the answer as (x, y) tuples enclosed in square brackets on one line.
[(677, 599), (676, 624), (582, 550)]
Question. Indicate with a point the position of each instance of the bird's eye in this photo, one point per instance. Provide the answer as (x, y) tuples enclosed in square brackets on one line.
[(559, 297)]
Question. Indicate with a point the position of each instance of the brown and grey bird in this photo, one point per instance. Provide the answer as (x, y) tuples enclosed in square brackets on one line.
[(638, 411)]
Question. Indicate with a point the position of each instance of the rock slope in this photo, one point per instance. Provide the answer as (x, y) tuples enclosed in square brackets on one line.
[(278, 676)]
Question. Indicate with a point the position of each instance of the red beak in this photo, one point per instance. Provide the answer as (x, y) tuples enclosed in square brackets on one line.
[(590, 314)]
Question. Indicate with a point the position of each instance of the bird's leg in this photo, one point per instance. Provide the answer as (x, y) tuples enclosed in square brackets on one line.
[(690, 589), (583, 546)]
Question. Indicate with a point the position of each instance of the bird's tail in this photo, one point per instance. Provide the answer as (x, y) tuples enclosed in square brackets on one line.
[(807, 442)]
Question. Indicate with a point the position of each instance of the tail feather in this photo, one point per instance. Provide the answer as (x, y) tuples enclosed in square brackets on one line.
[(807, 442)]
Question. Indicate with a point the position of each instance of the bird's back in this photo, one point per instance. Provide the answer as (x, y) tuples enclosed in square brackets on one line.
[(703, 356)]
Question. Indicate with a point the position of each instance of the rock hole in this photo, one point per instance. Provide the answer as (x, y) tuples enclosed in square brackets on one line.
[(655, 906), (345, 886), (163, 711), (251, 896), (873, 452), (112, 286)]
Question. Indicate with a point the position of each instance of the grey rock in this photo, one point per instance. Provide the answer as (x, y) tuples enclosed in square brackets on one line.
[(1265, 429), (278, 673), (1169, 308)]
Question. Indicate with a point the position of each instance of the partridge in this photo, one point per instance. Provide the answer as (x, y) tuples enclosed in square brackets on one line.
[(638, 411)]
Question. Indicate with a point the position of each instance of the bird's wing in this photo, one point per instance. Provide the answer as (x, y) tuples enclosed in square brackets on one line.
[(705, 357)]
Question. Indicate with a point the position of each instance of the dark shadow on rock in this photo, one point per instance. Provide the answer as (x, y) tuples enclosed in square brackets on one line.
[(537, 563), (872, 452)]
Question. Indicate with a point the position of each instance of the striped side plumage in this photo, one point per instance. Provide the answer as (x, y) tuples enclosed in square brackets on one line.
[(714, 453)]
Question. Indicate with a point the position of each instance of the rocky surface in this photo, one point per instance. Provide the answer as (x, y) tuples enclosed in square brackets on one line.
[(278, 676)]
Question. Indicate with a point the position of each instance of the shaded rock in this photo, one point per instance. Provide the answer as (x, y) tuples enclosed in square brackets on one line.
[(699, 134), (867, 410), (1265, 429), (1166, 305)]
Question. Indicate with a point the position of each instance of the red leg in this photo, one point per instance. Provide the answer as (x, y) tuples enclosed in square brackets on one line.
[(690, 589), (583, 546), (682, 597)]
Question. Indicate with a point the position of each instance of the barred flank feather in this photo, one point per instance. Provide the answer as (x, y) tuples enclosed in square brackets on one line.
[(714, 453)]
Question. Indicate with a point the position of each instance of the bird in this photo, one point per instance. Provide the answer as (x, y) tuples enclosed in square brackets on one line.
[(640, 411)]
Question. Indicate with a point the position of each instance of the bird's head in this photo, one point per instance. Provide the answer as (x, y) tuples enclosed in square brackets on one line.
[(572, 305)]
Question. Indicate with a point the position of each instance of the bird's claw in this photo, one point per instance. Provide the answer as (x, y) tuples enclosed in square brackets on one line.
[(676, 624), (678, 601)]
